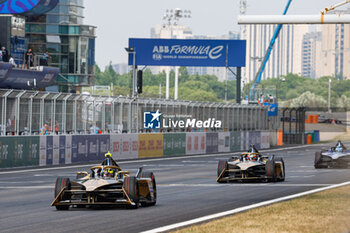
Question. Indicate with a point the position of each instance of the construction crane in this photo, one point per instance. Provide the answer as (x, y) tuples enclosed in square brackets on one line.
[(257, 78), (332, 7)]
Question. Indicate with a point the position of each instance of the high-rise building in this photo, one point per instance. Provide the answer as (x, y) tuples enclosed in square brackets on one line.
[(121, 68), (336, 49), (311, 56), (71, 44), (285, 56)]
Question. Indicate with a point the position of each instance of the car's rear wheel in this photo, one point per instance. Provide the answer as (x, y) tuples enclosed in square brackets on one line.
[(131, 188), (282, 176), (152, 199), (222, 167), (270, 170), (62, 183)]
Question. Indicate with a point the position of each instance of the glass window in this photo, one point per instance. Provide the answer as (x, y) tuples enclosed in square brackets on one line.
[(53, 39), (53, 48), (55, 58), (52, 29), (73, 30), (37, 28), (64, 48), (37, 39), (36, 19), (37, 48), (52, 19), (64, 39), (63, 29)]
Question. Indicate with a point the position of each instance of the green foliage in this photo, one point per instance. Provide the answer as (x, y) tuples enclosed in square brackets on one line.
[(293, 86), (191, 87)]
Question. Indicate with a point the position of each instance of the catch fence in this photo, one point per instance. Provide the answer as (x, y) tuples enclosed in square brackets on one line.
[(25, 113)]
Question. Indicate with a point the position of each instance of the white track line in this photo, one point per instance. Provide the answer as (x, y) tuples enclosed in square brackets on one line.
[(241, 209), (243, 185), (148, 160)]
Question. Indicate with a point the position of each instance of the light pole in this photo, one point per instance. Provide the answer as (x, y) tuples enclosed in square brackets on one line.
[(133, 52), (171, 18)]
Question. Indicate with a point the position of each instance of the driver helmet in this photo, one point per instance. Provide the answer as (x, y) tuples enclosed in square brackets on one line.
[(252, 156), (339, 147), (108, 172), (252, 149)]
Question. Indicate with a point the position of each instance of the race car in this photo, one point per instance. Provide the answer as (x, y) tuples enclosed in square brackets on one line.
[(251, 165), (337, 157), (106, 184)]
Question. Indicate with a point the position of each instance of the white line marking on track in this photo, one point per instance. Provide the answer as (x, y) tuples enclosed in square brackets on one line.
[(243, 185), (241, 209), (150, 160), (28, 187)]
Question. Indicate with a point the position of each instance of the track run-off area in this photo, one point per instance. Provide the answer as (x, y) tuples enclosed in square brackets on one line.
[(187, 189)]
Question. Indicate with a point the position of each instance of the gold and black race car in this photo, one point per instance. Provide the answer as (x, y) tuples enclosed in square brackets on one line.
[(106, 184), (251, 165)]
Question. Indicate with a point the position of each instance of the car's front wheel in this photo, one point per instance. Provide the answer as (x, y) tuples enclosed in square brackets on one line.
[(62, 183), (131, 188), (152, 197)]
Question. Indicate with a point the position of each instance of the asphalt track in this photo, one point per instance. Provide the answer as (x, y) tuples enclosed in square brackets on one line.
[(187, 189)]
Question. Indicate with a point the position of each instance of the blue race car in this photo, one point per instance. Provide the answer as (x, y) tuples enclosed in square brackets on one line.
[(337, 157)]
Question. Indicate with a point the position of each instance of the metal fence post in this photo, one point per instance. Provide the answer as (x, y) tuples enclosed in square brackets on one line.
[(64, 112)]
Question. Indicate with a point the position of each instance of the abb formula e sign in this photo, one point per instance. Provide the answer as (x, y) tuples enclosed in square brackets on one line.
[(176, 52)]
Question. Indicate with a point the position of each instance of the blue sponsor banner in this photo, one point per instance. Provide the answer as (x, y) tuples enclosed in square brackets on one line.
[(176, 52), (62, 149), (79, 148), (93, 149), (74, 148), (272, 111), (49, 150)]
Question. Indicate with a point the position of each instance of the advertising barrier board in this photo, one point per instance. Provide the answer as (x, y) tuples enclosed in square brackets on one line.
[(174, 144), (55, 150), (235, 141), (150, 145), (49, 150), (211, 142), (224, 142), (244, 140), (195, 143), (265, 139), (42, 151), (68, 154)]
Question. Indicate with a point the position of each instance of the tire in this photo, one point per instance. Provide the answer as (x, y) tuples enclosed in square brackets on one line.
[(152, 201), (60, 184), (222, 165), (270, 170), (283, 176), (131, 188), (318, 161)]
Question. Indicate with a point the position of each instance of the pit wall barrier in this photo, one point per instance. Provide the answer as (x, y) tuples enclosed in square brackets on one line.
[(19, 151)]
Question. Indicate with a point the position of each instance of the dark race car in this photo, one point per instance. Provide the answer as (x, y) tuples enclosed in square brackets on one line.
[(251, 165), (336, 157), (106, 184)]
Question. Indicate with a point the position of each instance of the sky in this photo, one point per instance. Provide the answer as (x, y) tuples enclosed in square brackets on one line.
[(117, 20)]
